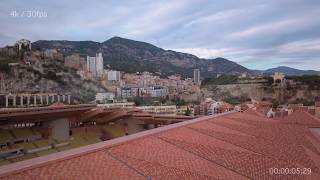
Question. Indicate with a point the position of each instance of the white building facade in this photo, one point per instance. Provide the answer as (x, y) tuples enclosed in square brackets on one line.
[(196, 76), (114, 75), (23, 43), (168, 110), (95, 65), (103, 97)]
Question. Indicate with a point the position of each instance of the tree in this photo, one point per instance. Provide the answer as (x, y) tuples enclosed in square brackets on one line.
[(275, 104), (138, 101), (180, 102), (187, 112), (162, 100)]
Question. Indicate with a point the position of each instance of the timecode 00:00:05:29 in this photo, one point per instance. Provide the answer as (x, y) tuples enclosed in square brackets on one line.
[(284, 171)]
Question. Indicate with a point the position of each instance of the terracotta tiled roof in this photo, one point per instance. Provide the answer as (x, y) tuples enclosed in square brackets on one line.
[(301, 117), (263, 107), (254, 112), (230, 146)]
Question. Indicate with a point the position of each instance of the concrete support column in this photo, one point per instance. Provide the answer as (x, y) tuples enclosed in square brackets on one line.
[(21, 100), (35, 100), (58, 98), (47, 99), (69, 99), (52, 99), (41, 99), (7, 101), (60, 129), (151, 126), (63, 98), (14, 101), (28, 100)]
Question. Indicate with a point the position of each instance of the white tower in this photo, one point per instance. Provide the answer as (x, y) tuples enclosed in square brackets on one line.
[(99, 65), (196, 76), (95, 65)]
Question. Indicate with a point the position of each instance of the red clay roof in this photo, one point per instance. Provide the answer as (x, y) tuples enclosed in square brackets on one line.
[(301, 117), (231, 146), (254, 112)]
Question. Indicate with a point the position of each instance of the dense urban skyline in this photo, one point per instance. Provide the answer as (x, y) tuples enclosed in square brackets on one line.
[(258, 35)]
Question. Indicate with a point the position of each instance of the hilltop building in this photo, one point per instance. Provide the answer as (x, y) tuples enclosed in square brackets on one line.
[(95, 65), (126, 92), (104, 97), (196, 76), (211, 107), (23, 44), (151, 91), (278, 77), (114, 75), (154, 91)]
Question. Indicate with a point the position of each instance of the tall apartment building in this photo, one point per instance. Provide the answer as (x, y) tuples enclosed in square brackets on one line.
[(114, 75), (95, 65), (126, 92), (196, 76), (154, 91)]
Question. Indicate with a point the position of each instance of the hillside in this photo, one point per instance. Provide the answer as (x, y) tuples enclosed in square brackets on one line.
[(135, 56), (289, 71), (45, 76)]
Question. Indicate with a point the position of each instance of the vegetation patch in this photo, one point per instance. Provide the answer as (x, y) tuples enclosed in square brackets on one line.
[(221, 80)]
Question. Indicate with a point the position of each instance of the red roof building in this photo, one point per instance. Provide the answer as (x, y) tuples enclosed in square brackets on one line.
[(227, 146)]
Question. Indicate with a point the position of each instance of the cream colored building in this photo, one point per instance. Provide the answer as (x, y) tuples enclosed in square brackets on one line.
[(95, 65), (278, 77), (168, 110), (118, 105), (182, 110)]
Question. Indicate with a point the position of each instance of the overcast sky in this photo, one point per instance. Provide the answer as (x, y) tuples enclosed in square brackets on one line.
[(258, 34)]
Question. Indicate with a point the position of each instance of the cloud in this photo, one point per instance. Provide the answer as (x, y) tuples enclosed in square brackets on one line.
[(203, 52), (218, 16), (277, 28)]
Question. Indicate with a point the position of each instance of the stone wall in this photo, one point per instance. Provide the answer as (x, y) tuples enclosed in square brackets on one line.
[(260, 91)]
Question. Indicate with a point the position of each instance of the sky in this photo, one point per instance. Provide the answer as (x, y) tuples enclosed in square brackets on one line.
[(258, 34)]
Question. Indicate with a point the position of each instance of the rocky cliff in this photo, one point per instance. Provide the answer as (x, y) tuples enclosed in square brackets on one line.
[(47, 76), (263, 92)]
